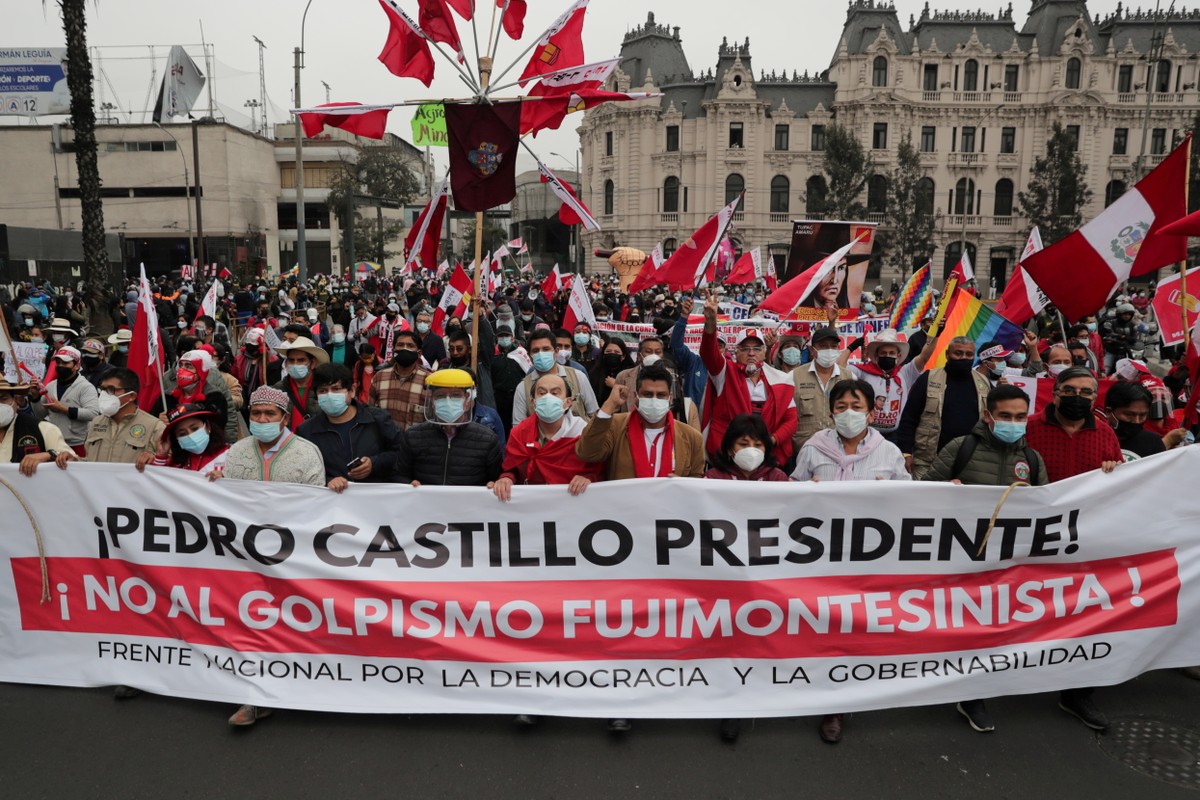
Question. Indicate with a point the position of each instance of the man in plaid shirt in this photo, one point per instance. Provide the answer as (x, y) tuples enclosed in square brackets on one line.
[(399, 387)]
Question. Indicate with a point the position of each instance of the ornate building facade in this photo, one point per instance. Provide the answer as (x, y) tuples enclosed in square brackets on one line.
[(977, 95)]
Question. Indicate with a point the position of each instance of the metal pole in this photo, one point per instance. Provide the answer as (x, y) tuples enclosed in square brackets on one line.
[(301, 245), (187, 203), (485, 74), (201, 253)]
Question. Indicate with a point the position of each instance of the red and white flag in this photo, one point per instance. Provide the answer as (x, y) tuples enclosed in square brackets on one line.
[(572, 211), (515, 243), (456, 293), (527, 268), (422, 241), (579, 306), (749, 268), (187, 272), (771, 278), (1022, 299), (145, 347), (551, 283), (561, 46), (406, 53), (686, 267), (1080, 272), (964, 273), (368, 121), (524, 251), (788, 297), (208, 306), (646, 275), (548, 112), (441, 270)]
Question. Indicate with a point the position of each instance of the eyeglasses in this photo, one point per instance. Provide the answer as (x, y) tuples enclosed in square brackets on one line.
[(118, 390), (743, 348), (1071, 391)]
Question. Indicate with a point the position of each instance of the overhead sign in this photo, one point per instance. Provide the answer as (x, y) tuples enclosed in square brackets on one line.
[(33, 81)]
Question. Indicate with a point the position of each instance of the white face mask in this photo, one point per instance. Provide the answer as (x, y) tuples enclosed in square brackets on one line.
[(562, 356), (651, 360), (7, 415), (109, 404), (850, 423), (749, 458), (653, 410), (827, 358), (1054, 369)]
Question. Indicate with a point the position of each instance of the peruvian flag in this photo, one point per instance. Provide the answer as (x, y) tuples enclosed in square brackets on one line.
[(1080, 272), (512, 16), (421, 244), (645, 276), (208, 306), (145, 348), (579, 307), (527, 268), (515, 243), (561, 46), (553, 94), (1022, 299), (686, 267), (749, 268), (434, 18), (572, 211), (771, 279), (406, 53), (441, 270), (499, 255), (456, 294), (361, 120), (548, 112), (963, 272), (524, 251), (495, 276), (551, 283), (788, 297)]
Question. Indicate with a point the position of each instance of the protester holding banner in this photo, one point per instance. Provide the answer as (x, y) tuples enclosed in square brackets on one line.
[(813, 382), (747, 453), (1066, 433), (192, 439), (449, 449), (123, 432), (23, 439), (1126, 409)]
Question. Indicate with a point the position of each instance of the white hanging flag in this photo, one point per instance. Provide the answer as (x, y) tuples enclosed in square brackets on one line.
[(208, 306), (579, 306), (181, 86)]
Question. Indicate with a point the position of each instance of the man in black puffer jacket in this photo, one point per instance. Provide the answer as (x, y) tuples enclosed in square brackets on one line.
[(450, 449)]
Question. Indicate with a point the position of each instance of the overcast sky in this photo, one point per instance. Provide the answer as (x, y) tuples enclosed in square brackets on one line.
[(343, 39)]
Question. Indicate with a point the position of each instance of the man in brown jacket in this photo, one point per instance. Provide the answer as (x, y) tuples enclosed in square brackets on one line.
[(645, 443)]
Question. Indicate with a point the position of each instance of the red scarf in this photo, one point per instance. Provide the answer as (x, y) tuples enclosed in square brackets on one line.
[(637, 447), (871, 368), (552, 463), (299, 402)]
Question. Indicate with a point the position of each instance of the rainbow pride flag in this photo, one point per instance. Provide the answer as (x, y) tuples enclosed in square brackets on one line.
[(968, 316), (914, 301)]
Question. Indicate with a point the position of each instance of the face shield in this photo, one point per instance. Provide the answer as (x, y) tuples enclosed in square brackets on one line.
[(449, 405), (1162, 405)]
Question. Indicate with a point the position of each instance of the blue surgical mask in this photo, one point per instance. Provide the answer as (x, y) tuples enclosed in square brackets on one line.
[(449, 409), (505, 342), (334, 404), (543, 361), (791, 356), (549, 409), (266, 432), (422, 328), (195, 442), (122, 348), (297, 372), (1008, 432), (1016, 360), (1091, 326), (581, 339)]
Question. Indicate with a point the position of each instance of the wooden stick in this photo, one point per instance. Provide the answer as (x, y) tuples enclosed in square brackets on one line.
[(1183, 305), (485, 73)]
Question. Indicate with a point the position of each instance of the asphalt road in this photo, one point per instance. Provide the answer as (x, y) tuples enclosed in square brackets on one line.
[(72, 743)]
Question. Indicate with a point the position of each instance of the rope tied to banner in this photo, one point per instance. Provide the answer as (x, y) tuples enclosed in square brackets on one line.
[(996, 514), (37, 535)]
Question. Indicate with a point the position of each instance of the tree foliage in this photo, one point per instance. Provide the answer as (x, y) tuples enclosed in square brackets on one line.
[(909, 212), (377, 172), (371, 242), (847, 166), (1057, 190)]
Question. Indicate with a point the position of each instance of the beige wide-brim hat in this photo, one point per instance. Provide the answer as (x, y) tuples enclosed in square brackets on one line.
[(889, 336), (306, 345), (123, 336), (60, 325)]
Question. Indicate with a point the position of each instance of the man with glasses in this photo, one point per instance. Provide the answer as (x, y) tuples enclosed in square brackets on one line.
[(122, 432)]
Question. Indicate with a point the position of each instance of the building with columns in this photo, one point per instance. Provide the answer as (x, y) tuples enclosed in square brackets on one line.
[(977, 94)]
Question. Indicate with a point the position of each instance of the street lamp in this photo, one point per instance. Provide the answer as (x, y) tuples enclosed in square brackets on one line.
[(301, 244), (186, 185), (253, 105), (575, 229)]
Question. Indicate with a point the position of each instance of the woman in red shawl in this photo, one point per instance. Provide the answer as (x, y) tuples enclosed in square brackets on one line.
[(191, 384)]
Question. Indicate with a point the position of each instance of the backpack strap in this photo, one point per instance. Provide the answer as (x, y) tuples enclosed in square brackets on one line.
[(963, 456)]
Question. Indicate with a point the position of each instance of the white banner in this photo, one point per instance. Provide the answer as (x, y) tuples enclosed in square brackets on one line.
[(652, 598)]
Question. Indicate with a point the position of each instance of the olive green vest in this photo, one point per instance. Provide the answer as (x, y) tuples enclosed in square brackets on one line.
[(812, 404), (929, 428)]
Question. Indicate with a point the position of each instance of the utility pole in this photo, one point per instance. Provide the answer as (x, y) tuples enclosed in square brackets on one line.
[(262, 84), (201, 253), (301, 244), (326, 85)]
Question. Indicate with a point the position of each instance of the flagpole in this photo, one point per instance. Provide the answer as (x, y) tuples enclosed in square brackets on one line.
[(485, 74), (1183, 306), (12, 352), (720, 236), (492, 48)]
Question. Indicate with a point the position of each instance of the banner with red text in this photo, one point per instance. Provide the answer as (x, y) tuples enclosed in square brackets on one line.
[(651, 598)]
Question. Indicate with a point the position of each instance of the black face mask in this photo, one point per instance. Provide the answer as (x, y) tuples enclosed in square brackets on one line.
[(253, 350), (459, 361), (1126, 429), (406, 358), (886, 363), (91, 361), (613, 360), (1074, 408), (958, 367)]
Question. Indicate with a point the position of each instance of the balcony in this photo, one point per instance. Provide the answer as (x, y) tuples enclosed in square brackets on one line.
[(739, 216), (1168, 97), (778, 217), (954, 222), (669, 218), (1012, 97), (877, 217), (967, 160), (1127, 97), (972, 97), (931, 96)]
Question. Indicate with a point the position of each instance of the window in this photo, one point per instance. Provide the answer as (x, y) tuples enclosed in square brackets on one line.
[(734, 185), (670, 202), (968, 139), (669, 247), (609, 191), (928, 138), (1008, 140), (1073, 68), (879, 136), (1125, 78), (964, 196), (1120, 141), (1011, 73), (971, 75), (608, 143), (954, 255), (1004, 198), (924, 197), (930, 81), (735, 134), (1073, 135), (1112, 191), (818, 138), (815, 192), (1162, 79), (1158, 141), (877, 188), (879, 72), (782, 135), (780, 188), (672, 138)]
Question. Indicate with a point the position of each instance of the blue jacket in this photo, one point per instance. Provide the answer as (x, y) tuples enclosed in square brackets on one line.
[(490, 418), (691, 367)]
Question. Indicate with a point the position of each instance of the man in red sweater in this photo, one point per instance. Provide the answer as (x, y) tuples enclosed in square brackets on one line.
[(744, 385)]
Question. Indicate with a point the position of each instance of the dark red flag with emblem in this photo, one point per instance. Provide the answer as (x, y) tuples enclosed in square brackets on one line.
[(483, 153)]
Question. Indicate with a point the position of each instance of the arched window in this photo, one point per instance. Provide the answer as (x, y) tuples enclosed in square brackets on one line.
[(1162, 77), (609, 191), (815, 192), (1112, 191), (879, 76), (924, 197), (971, 75), (734, 185), (953, 254), (669, 247), (1073, 69), (670, 202), (780, 188), (964, 196), (1004, 198), (877, 189)]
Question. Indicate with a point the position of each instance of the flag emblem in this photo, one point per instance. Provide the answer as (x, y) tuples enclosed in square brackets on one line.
[(486, 158), (549, 53), (1129, 241), (137, 431), (1021, 470)]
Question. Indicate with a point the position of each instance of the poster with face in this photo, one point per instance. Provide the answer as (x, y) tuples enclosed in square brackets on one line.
[(815, 240)]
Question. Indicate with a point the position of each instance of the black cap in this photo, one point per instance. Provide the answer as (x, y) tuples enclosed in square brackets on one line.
[(824, 334)]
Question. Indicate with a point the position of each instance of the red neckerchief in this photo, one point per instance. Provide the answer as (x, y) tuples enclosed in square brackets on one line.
[(637, 447), (871, 368), (299, 402)]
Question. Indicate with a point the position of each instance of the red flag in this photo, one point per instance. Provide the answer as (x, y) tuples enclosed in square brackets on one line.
[(579, 306), (406, 53), (748, 268), (686, 267), (514, 17), (551, 283), (224, 273), (422, 241), (464, 8), (208, 306), (434, 18), (483, 153), (962, 270), (145, 348), (572, 211), (561, 46), (457, 292), (548, 112), (785, 300), (356, 118), (1022, 299), (771, 279), (645, 276), (1080, 272)]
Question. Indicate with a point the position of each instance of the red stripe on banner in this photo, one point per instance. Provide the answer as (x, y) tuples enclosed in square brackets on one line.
[(522, 621)]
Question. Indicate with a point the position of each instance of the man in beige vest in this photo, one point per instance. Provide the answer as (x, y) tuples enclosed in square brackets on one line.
[(813, 381), (122, 432), (943, 404)]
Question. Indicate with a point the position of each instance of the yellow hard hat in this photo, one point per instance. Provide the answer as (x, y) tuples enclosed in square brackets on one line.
[(450, 379)]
